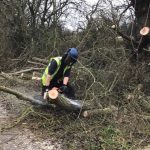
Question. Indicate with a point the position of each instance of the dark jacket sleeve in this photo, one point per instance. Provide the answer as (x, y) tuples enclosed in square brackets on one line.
[(67, 73), (52, 67)]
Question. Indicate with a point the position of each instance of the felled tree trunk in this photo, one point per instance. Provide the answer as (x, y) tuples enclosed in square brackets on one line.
[(63, 102), (22, 96), (69, 104), (37, 63), (26, 70), (84, 108)]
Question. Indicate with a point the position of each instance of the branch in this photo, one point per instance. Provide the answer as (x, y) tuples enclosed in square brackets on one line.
[(69, 104), (22, 96), (109, 110), (129, 5), (63, 102), (147, 118), (6, 76), (123, 35), (26, 70)]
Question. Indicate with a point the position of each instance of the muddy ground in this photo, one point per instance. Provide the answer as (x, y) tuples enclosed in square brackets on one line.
[(17, 135)]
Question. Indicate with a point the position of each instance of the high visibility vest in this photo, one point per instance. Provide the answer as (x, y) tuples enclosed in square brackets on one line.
[(58, 61)]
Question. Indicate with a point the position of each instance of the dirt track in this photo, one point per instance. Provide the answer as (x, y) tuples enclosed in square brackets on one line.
[(19, 137)]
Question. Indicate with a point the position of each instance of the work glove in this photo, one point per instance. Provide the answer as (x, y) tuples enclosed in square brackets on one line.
[(64, 89)]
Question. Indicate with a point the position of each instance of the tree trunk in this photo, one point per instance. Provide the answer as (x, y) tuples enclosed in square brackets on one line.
[(63, 102), (22, 96), (69, 104)]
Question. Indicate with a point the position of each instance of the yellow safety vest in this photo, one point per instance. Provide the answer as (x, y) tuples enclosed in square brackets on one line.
[(58, 61)]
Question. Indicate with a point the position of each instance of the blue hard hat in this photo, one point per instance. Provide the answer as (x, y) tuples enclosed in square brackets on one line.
[(73, 53)]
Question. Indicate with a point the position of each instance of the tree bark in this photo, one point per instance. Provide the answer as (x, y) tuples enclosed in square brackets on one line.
[(63, 102), (93, 112), (69, 104), (23, 96)]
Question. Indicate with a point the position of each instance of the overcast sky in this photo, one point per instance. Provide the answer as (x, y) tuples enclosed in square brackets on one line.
[(91, 1), (74, 19)]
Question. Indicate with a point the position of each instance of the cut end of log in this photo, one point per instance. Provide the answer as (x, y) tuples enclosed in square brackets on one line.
[(113, 26), (53, 94), (144, 31), (85, 114)]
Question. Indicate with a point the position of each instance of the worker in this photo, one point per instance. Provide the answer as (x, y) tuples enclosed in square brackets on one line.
[(57, 73)]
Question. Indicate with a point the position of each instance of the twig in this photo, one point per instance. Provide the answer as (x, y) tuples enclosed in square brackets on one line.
[(36, 63), (6, 76), (26, 70)]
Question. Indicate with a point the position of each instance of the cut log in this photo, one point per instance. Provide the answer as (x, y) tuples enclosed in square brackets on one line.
[(90, 113), (53, 94), (61, 101), (69, 104)]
